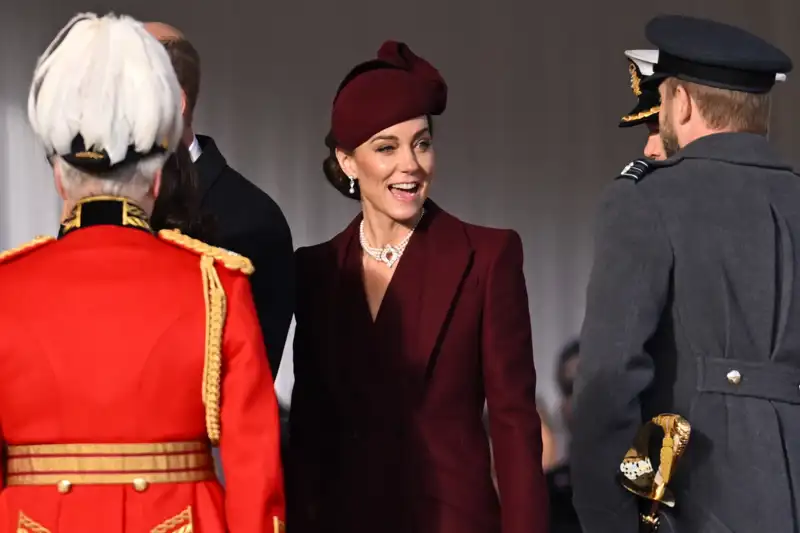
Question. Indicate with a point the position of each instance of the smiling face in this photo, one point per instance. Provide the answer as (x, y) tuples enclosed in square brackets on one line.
[(394, 169)]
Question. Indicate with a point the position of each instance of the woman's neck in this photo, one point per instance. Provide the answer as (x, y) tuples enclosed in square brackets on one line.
[(381, 229)]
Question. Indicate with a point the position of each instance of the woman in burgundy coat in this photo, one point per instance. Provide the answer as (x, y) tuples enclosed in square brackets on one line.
[(406, 321)]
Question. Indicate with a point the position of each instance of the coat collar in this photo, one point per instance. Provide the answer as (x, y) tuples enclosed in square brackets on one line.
[(737, 148), (210, 165), (430, 275)]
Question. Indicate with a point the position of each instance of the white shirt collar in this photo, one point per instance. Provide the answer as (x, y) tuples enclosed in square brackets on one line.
[(194, 150)]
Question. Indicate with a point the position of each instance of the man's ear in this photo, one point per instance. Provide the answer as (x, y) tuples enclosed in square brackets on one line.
[(183, 102), (682, 105), (58, 179), (155, 189)]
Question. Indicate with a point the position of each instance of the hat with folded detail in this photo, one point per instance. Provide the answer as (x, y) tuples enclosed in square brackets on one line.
[(396, 86)]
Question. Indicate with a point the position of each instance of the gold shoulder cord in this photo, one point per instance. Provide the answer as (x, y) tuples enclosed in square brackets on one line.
[(216, 311), (277, 525), (30, 245)]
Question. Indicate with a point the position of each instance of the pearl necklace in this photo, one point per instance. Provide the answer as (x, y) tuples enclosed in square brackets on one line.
[(388, 254)]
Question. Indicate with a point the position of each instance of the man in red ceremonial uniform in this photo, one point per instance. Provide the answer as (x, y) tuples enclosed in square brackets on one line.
[(126, 354)]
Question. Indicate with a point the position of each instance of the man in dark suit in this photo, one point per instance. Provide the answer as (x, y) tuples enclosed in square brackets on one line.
[(248, 221), (693, 305)]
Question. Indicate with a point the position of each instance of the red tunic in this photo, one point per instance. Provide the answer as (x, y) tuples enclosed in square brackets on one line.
[(103, 346)]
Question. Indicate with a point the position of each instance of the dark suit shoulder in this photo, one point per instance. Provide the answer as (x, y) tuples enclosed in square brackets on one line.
[(249, 197)]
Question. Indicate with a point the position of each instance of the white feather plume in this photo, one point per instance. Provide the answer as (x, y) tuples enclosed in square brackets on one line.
[(107, 79)]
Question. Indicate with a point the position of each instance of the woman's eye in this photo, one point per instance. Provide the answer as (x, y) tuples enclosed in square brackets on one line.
[(386, 149)]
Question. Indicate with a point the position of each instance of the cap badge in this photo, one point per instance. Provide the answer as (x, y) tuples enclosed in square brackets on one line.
[(635, 80)]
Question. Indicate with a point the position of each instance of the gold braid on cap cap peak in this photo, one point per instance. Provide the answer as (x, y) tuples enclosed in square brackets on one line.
[(642, 114), (216, 310)]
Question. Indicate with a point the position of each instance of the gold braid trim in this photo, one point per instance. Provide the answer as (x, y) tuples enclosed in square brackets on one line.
[(229, 260), (27, 247), (216, 310), (180, 523), (216, 304), (278, 525), (643, 114), (26, 525)]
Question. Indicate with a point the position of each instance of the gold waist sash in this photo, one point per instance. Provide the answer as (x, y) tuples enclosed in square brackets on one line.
[(65, 465)]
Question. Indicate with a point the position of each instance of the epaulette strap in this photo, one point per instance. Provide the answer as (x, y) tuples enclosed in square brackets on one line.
[(636, 170), (229, 260), (27, 247), (216, 303)]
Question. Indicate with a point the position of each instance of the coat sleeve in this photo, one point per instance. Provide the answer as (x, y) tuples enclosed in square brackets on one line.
[(308, 424), (269, 247), (510, 384), (250, 431), (627, 293)]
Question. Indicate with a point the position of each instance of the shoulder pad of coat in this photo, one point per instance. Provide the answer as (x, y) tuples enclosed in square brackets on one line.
[(228, 259), (19, 251)]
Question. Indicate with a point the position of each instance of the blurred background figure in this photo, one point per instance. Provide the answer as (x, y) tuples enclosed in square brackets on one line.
[(564, 519)]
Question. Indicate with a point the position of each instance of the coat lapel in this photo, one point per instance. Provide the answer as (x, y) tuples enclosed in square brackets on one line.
[(444, 256), (419, 298), (342, 304), (210, 165)]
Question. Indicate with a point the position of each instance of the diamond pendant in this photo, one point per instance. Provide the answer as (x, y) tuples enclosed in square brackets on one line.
[(390, 255)]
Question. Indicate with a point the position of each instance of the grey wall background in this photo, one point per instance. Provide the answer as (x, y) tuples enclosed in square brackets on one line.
[(528, 141)]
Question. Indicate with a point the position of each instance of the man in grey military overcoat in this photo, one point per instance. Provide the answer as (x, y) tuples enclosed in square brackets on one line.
[(693, 305)]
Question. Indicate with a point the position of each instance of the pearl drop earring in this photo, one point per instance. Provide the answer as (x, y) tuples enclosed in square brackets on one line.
[(352, 184)]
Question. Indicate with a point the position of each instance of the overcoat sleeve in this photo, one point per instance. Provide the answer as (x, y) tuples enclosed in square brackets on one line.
[(510, 384), (628, 290), (269, 247), (250, 428)]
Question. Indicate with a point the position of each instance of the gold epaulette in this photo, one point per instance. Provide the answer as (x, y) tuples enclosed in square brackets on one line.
[(216, 310), (229, 260), (29, 246)]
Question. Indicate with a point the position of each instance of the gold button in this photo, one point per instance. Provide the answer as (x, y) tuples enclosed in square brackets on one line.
[(140, 484), (734, 377), (64, 486)]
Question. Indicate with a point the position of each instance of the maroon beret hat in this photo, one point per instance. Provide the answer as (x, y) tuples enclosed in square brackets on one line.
[(377, 94)]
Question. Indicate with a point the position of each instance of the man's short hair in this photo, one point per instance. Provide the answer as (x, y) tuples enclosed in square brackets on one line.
[(724, 109), (186, 62)]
